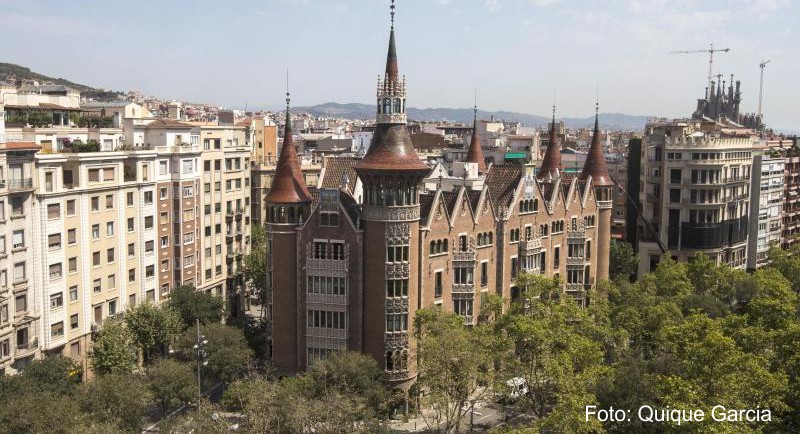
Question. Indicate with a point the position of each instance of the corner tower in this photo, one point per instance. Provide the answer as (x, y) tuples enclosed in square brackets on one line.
[(288, 205), (391, 172), (596, 168)]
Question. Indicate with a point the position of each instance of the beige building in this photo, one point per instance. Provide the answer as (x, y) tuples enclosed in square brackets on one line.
[(696, 190), (225, 220), (95, 234)]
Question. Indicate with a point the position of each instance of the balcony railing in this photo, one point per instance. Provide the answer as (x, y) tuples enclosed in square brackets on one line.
[(27, 347), (20, 184), (463, 288)]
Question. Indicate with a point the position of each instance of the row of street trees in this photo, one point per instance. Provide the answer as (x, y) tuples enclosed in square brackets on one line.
[(687, 336)]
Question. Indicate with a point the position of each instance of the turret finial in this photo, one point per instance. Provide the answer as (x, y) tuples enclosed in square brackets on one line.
[(391, 8)]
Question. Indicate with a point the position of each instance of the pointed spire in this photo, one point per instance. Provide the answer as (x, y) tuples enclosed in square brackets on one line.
[(288, 185), (391, 148), (551, 163), (392, 68), (475, 153), (595, 164)]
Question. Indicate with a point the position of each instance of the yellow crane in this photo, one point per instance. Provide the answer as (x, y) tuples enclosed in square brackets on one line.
[(710, 50)]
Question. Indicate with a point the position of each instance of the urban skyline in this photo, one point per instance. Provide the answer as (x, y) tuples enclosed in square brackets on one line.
[(551, 45)]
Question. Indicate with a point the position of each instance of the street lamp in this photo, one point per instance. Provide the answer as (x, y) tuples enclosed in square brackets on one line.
[(201, 353)]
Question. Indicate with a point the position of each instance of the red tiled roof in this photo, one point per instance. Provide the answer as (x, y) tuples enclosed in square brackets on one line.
[(338, 167), (551, 163), (502, 180), (288, 185), (391, 150), (595, 164), (22, 146), (475, 153)]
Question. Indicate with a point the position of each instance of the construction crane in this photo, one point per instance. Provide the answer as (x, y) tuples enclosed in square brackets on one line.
[(761, 65), (710, 50)]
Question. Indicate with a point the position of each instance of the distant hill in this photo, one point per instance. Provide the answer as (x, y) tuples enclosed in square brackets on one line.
[(12, 73), (612, 121)]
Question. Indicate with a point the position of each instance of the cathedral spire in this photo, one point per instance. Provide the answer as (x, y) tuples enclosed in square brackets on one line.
[(392, 68), (551, 163), (595, 164), (475, 153), (288, 185)]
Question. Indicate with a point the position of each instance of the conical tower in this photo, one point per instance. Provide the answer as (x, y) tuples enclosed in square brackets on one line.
[(390, 173), (288, 205), (551, 163), (475, 153), (596, 168)]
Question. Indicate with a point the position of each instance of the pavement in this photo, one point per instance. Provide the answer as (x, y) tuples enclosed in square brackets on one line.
[(485, 417)]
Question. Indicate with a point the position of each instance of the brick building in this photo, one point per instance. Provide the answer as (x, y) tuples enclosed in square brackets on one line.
[(353, 260)]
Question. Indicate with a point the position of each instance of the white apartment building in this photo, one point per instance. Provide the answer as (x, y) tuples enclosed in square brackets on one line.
[(696, 192), (21, 308), (766, 215)]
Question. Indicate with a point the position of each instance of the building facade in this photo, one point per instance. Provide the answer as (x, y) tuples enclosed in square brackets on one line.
[(766, 212), (351, 262), (697, 175)]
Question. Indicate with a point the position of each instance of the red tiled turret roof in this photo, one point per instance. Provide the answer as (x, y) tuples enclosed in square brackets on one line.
[(475, 153), (595, 164), (551, 163), (288, 185)]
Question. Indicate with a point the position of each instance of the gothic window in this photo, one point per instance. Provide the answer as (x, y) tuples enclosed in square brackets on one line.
[(397, 105), (387, 106)]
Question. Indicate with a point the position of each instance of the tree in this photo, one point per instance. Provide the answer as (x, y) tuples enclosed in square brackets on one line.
[(153, 328), (228, 353), (255, 265), (623, 262), (172, 383), (113, 351), (118, 400), (192, 304), (454, 364), (352, 374), (56, 373)]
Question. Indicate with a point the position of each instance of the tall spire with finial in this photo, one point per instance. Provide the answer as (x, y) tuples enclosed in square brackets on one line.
[(475, 153), (288, 185), (595, 164), (391, 148), (551, 162)]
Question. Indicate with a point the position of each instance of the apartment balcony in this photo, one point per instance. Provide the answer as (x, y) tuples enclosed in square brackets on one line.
[(20, 184), (576, 235), (401, 375), (27, 348)]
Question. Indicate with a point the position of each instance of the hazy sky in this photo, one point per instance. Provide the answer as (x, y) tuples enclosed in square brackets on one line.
[(515, 52)]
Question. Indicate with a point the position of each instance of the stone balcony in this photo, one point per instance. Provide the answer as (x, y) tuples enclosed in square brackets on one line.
[(529, 246), (576, 260), (464, 256), (462, 288)]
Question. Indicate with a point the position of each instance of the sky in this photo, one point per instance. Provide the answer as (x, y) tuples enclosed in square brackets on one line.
[(517, 54)]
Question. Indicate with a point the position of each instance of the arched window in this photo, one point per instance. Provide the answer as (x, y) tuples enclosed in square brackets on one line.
[(397, 105), (445, 245), (379, 106), (387, 106), (536, 204)]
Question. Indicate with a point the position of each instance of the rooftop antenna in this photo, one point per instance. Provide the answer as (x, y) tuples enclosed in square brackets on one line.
[(288, 99), (761, 65), (710, 50)]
